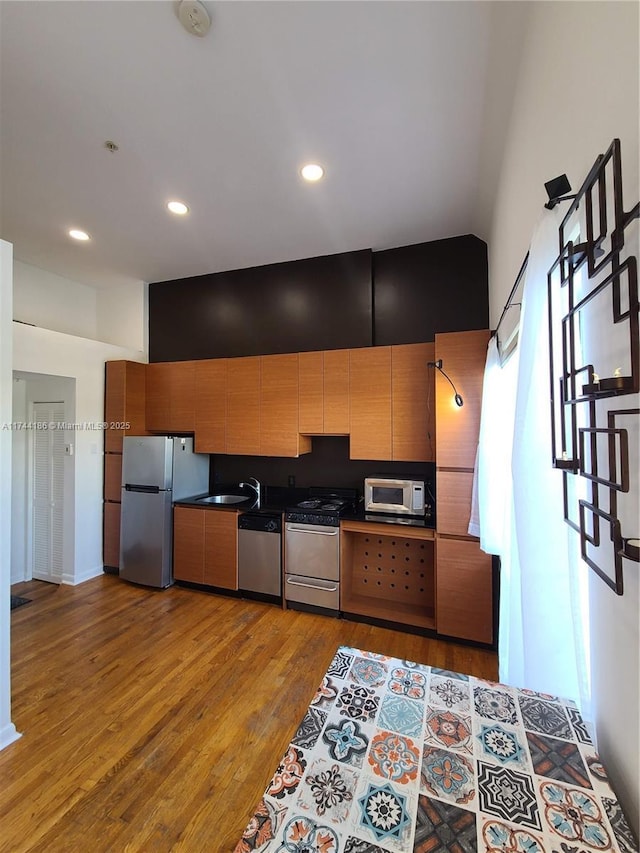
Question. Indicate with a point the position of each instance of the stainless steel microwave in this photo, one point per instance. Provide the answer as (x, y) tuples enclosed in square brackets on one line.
[(394, 495)]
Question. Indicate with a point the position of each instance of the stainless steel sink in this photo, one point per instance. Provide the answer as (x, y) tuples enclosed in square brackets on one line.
[(224, 499)]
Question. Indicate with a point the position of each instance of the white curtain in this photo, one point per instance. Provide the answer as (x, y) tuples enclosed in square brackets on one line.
[(542, 621)]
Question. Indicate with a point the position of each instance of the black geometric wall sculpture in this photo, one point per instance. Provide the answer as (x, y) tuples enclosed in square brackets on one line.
[(593, 284)]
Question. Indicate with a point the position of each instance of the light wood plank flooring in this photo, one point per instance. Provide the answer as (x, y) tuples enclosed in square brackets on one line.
[(152, 721)]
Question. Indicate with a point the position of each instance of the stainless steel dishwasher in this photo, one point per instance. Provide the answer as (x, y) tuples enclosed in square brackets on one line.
[(260, 556)]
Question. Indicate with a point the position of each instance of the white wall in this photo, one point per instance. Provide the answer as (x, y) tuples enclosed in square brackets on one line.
[(577, 90), (7, 729), (115, 315), (53, 302), (43, 351), (122, 316)]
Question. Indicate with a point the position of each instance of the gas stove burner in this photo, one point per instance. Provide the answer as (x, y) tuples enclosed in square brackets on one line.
[(323, 507), (311, 504)]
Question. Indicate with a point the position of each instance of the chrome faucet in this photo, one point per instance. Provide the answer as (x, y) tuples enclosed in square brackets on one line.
[(255, 485)]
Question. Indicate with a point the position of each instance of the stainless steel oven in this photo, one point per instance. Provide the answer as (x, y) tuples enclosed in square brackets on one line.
[(312, 549), (312, 560)]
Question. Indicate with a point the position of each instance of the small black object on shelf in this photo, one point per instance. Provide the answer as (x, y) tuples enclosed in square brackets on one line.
[(566, 464), (616, 384)]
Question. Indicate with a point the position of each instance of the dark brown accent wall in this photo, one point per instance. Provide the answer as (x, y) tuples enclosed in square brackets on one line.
[(354, 299), (419, 290), (311, 304)]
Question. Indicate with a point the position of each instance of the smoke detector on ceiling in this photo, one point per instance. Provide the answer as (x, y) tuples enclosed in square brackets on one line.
[(194, 17)]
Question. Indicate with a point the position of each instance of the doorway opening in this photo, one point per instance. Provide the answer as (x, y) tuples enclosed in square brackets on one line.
[(42, 482)]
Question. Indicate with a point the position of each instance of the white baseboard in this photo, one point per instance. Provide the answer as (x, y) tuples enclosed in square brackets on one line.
[(8, 734), (89, 574)]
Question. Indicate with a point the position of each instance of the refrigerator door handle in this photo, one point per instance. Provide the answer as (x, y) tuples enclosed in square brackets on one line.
[(134, 487)]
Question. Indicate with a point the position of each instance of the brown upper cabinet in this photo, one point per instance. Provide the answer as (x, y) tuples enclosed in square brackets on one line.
[(243, 405), (270, 405), (124, 402), (392, 403), (370, 389), (463, 357), (170, 405), (279, 431), (324, 392), (211, 406), (413, 403)]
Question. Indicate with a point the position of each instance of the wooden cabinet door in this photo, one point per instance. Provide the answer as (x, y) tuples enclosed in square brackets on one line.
[(111, 535), (124, 402), (413, 403), (188, 544), (370, 418), (221, 549), (336, 392), (279, 435), (453, 493), (158, 402), (211, 406), (114, 404), (463, 357), (311, 393), (112, 476), (183, 395), (243, 405), (170, 403), (464, 590), (324, 392)]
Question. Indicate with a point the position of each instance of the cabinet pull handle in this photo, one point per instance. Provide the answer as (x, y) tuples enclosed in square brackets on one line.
[(313, 586)]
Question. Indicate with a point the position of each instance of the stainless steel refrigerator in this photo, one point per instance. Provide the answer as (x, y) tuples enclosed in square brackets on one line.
[(156, 470)]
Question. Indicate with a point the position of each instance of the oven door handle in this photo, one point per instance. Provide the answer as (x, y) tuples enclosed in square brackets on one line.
[(292, 529), (313, 586)]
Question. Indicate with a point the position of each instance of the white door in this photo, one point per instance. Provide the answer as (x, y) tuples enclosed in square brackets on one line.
[(47, 493)]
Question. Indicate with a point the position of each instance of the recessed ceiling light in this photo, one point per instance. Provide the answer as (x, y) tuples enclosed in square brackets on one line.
[(312, 172), (77, 234), (178, 207)]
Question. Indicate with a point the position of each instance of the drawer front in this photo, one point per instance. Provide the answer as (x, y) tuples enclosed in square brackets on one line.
[(319, 593)]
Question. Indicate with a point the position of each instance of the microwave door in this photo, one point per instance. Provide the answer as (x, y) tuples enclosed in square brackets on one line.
[(391, 496)]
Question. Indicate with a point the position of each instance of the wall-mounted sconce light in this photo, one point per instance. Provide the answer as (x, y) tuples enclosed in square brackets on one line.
[(556, 190), (438, 365)]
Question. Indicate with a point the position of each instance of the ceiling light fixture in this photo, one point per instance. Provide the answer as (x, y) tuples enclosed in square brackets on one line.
[(77, 234), (312, 172), (178, 207)]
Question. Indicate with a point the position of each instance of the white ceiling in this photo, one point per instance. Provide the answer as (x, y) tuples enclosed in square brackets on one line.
[(396, 99)]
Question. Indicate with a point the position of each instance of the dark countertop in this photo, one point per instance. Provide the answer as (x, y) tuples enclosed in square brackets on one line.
[(383, 518), (277, 499)]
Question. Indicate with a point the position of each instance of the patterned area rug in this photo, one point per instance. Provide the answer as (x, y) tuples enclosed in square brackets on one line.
[(397, 757), (18, 601)]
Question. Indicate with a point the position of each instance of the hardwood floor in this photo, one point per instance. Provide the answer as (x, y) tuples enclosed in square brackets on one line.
[(152, 721)]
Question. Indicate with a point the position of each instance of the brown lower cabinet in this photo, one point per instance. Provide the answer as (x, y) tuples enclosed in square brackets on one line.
[(464, 590), (205, 547), (221, 549), (111, 534)]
